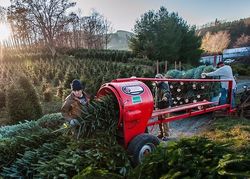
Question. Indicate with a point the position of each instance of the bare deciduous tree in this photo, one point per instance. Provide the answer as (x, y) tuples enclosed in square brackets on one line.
[(108, 30), (205, 44), (96, 30), (2, 14), (242, 41), (215, 42), (76, 27), (47, 17)]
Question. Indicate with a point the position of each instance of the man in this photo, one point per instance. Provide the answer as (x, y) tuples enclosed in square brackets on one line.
[(225, 73), (72, 107), (163, 100)]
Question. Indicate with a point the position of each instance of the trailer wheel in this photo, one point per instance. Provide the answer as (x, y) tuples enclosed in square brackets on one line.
[(141, 146)]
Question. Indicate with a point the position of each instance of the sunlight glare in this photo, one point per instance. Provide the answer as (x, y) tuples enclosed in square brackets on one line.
[(5, 31)]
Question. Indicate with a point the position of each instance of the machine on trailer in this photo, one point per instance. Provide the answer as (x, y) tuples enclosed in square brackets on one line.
[(136, 108)]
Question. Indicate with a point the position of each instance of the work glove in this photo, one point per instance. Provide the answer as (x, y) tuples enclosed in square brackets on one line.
[(203, 75), (74, 122), (164, 99)]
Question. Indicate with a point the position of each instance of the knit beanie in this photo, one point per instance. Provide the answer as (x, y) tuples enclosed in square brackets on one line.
[(76, 85), (158, 75)]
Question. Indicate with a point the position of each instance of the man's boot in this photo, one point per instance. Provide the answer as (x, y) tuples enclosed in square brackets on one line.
[(166, 129), (160, 132)]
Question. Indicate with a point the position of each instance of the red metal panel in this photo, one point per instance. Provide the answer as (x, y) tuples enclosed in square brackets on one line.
[(230, 93), (190, 114), (180, 108), (136, 106), (169, 80)]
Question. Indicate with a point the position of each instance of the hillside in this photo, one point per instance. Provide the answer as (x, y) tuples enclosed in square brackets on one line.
[(239, 31), (119, 40)]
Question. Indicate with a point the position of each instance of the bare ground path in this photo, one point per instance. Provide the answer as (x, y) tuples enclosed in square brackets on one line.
[(190, 126)]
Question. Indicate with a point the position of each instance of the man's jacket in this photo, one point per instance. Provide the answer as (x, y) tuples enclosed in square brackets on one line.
[(72, 106), (162, 91)]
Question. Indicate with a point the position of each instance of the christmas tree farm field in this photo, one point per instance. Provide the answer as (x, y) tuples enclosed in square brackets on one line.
[(44, 148)]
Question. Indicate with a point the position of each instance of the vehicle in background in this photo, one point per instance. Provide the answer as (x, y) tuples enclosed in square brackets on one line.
[(229, 61), (236, 53), (211, 59), (228, 56)]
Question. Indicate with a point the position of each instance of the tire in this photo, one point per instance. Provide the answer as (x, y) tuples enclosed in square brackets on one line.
[(140, 146)]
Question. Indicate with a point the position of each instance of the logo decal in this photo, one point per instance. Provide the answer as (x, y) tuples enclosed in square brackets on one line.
[(136, 99), (132, 90)]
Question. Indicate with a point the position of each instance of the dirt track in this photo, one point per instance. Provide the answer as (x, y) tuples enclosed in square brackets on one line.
[(189, 126), (185, 127)]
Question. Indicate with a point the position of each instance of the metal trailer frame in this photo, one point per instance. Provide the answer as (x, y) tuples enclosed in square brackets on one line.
[(188, 107)]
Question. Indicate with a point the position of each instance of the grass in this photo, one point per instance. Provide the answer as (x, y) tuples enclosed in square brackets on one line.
[(232, 131), (51, 107), (4, 119)]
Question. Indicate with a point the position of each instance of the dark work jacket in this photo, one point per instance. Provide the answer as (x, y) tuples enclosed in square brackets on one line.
[(161, 92), (72, 106)]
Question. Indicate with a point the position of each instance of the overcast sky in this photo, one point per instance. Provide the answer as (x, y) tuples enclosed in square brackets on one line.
[(123, 13)]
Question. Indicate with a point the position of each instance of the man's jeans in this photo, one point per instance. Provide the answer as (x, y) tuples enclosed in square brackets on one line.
[(224, 99)]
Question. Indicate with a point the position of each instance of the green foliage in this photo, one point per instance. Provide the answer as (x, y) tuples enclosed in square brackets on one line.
[(22, 101), (19, 143), (70, 75), (233, 131), (141, 61), (47, 95), (66, 92), (10, 147), (49, 121), (189, 74), (2, 99), (16, 104), (94, 152), (189, 157), (18, 129), (101, 115), (96, 148), (234, 166), (90, 172), (198, 71), (175, 74), (31, 150), (62, 71), (64, 157), (24, 165), (59, 92), (193, 91), (165, 36), (106, 55), (32, 96), (241, 69)]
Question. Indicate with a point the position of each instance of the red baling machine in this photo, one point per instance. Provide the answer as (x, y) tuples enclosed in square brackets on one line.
[(136, 108)]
